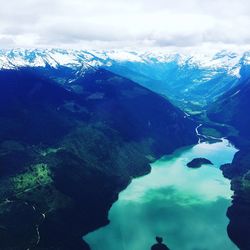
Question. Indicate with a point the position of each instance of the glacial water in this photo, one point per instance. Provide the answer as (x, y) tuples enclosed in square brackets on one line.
[(187, 207)]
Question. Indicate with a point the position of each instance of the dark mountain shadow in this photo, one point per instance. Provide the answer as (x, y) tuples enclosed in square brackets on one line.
[(69, 148)]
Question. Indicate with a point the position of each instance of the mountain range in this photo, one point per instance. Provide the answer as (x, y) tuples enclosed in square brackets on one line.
[(77, 126), (191, 80)]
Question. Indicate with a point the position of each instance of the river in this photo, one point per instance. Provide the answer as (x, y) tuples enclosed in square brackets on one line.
[(187, 207)]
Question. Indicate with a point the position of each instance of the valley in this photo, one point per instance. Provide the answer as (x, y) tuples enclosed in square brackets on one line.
[(69, 154), (83, 132)]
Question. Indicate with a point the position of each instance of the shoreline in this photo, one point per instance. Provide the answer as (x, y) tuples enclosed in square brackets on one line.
[(149, 181)]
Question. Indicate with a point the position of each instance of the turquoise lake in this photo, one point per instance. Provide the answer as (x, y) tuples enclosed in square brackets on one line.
[(187, 207)]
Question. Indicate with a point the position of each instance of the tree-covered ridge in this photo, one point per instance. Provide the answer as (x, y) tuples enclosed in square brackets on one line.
[(233, 109), (67, 150)]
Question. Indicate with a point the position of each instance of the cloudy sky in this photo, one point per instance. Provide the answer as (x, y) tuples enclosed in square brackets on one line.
[(123, 23)]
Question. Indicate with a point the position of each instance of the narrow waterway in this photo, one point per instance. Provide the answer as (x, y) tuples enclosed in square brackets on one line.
[(187, 207)]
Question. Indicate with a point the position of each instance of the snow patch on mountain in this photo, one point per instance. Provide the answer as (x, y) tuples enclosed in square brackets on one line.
[(50, 57), (213, 60)]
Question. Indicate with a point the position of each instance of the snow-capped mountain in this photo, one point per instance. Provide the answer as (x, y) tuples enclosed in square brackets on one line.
[(190, 78), (42, 58), (230, 61), (227, 60)]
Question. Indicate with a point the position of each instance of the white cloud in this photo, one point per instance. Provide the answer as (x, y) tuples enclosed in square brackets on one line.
[(117, 23)]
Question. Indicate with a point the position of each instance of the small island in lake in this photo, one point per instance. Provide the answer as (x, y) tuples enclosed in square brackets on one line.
[(197, 162)]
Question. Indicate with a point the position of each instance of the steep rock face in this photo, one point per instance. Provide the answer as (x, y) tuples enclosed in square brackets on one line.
[(68, 148), (233, 109)]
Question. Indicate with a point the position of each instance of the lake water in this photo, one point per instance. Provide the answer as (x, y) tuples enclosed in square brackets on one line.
[(187, 207)]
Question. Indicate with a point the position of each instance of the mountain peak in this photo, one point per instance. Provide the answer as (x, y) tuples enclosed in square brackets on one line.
[(226, 59), (54, 58)]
